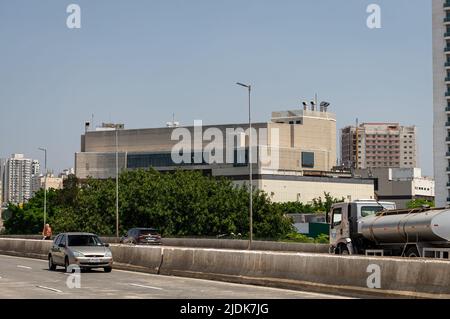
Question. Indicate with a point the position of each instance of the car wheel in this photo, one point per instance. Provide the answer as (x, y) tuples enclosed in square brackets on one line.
[(107, 269), (66, 264), (343, 250), (51, 265)]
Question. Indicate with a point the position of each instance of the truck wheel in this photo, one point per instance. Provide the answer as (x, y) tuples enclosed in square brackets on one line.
[(412, 252), (343, 250)]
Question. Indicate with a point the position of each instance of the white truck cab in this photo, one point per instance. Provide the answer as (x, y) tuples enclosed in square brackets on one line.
[(344, 222)]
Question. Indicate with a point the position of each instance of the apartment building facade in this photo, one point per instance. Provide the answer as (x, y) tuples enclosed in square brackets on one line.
[(18, 179), (2, 181), (441, 100), (376, 145), (35, 176)]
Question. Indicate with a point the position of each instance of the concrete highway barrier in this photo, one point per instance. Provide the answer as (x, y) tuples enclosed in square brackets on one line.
[(243, 244), (25, 248), (354, 275), (418, 278), (137, 258), (218, 244)]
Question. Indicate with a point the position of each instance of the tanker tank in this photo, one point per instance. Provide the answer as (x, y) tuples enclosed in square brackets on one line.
[(402, 227)]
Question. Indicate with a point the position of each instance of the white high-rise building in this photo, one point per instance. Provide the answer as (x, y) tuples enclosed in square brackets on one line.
[(441, 100), (2, 181), (18, 179)]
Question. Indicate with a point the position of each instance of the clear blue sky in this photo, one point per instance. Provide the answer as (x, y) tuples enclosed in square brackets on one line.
[(139, 61)]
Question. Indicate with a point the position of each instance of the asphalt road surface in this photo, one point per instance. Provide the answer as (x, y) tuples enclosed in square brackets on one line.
[(30, 278)]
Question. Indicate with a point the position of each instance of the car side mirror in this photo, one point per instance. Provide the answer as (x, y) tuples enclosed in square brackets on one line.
[(106, 245), (62, 246)]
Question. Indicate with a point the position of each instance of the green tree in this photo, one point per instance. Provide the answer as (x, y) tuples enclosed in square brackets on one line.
[(318, 205), (182, 203), (419, 203), (29, 219)]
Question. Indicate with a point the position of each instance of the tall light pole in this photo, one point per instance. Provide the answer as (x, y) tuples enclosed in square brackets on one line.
[(45, 184), (249, 87), (117, 182)]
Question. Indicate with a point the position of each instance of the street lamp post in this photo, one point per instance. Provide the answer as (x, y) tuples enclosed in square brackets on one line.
[(45, 184), (117, 183), (249, 87)]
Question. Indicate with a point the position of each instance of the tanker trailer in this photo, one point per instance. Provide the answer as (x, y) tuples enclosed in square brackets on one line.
[(421, 232)]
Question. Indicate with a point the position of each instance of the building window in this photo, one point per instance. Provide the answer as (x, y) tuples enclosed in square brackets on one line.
[(308, 159), (135, 161), (375, 184)]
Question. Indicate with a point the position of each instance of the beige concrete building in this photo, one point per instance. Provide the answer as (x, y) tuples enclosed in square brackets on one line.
[(400, 185), (302, 133), (293, 154), (304, 189), (52, 182)]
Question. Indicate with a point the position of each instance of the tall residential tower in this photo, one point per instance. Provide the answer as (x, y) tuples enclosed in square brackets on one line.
[(18, 179), (441, 99), (379, 145)]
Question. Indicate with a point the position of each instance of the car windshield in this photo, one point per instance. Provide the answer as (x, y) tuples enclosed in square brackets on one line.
[(84, 240), (147, 232)]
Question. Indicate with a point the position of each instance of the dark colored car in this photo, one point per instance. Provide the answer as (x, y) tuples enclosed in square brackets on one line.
[(142, 236)]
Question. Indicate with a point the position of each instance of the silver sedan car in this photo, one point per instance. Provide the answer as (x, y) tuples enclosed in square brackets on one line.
[(85, 250)]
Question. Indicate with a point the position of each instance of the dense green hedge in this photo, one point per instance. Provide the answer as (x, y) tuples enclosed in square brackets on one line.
[(184, 203), (318, 205)]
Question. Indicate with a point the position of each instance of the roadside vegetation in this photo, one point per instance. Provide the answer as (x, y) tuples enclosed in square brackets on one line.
[(419, 203), (318, 205), (184, 203)]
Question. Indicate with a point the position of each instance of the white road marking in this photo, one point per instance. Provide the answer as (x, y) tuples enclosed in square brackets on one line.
[(48, 288), (143, 286), (233, 285), (23, 258), (187, 279), (24, 267)]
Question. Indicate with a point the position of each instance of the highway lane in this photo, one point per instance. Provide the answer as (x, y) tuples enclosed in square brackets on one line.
[(29, 278)]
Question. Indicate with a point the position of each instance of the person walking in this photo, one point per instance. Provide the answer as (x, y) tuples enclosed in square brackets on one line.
[(47, 232)]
